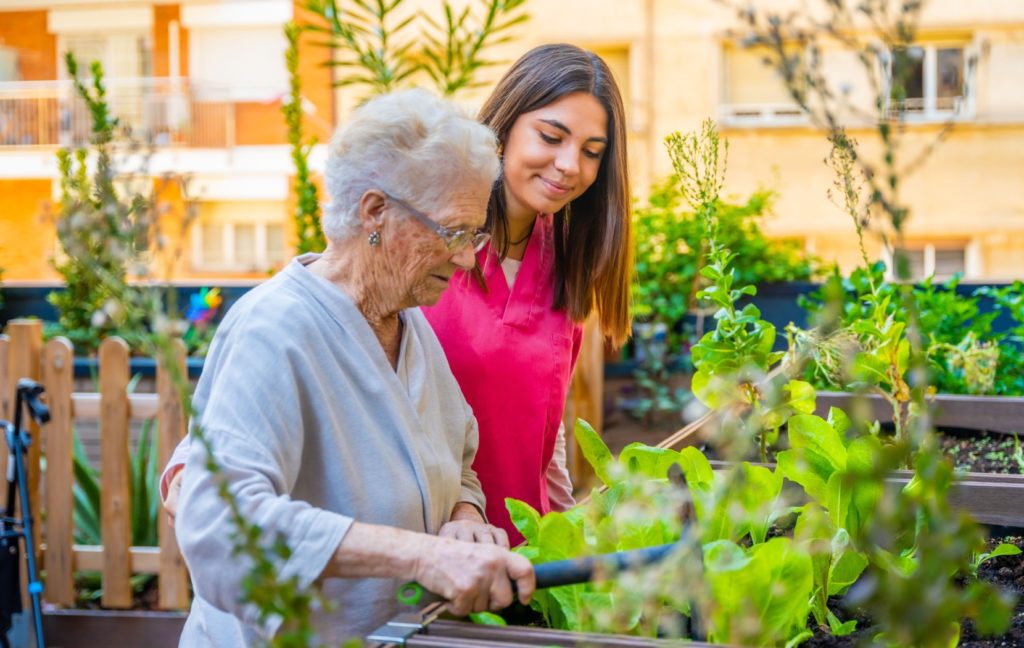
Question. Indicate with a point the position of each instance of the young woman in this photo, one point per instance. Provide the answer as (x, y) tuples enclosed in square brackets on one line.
[(560, 248)]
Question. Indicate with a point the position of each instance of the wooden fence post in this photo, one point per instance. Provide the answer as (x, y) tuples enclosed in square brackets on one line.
[(115, 495), (58, 377), (24, 351), (170, 429), (586, 400)]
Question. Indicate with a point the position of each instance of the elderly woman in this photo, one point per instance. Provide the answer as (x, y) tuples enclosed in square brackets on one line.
[(330, 406)]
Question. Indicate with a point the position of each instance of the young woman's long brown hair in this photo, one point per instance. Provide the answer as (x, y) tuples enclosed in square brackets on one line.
[(593, 244)]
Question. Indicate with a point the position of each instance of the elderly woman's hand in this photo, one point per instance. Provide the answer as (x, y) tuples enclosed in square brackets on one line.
[(468, 525), (473, 577)]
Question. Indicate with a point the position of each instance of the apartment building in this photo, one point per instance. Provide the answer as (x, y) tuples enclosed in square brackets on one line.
[(204, 81)]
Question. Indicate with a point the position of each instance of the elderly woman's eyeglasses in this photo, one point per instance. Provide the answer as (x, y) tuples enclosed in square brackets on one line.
[(454, 239)]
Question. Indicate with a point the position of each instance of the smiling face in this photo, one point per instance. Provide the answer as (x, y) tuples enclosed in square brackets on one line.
[(420, 265), (553, 154)]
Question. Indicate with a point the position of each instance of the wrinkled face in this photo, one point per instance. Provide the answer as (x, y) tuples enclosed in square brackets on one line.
[(552, 154), (420, 265)]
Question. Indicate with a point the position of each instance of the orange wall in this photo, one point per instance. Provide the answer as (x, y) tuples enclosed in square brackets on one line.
[(176, 217), (162, 17), (316, 77), (27, 237), (258, 123), (26, 32)]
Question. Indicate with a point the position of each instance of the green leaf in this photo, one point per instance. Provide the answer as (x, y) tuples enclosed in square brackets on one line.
[(639, 458), (559, 538), (795, 468), (525, 518), (838, 628), (1004, 549), (845, 571), (802, 396), (594, 451), (764, 600), (838, 419), (487, 618), (568, 600), (818, 444), (696, 468), (758, 494)]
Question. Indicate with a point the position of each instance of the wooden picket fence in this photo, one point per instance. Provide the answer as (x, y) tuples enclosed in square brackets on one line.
[(24, 355)]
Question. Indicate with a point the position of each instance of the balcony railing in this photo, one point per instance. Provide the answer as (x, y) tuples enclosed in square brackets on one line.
[(763, 114), (173, 112)]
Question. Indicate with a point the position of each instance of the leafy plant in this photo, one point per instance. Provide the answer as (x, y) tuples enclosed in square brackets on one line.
[(97, 230), (670, 241), (307, 205), (965, 354), (453, 51), (107, 227), (379, 49), (1003, 549), (145, 506)]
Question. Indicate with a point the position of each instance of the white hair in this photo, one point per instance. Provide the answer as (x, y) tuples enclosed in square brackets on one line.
[(409, 143)]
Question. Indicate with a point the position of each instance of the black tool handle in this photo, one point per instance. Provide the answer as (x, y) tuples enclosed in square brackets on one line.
[(583, 570)]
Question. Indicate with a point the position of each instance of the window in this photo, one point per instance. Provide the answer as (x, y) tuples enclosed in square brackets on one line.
[(941, 260), (8, 64), (928, 82), (239, 236), (255, 70), (754, 92)]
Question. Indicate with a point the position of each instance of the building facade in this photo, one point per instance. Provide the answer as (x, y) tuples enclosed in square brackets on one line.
[(204, 81)]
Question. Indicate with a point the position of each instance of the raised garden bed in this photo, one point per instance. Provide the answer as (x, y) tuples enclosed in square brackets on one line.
[(991, 413), (104, 628)]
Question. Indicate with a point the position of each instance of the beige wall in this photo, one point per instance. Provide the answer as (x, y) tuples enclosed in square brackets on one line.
[(668, 57), (971, 190)]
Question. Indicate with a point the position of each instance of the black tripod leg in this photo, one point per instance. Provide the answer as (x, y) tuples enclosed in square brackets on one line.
[(35, 587)]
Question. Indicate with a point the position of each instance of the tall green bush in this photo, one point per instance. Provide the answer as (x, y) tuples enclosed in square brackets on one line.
[(309, 235), (671, 241), (380, 46), (108, 226)]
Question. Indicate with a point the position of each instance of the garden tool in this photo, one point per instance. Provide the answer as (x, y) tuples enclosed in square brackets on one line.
[(552, 574), (15, 529)]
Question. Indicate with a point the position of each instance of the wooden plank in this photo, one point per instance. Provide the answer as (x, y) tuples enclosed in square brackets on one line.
[(103, 628), (170, 430), (585, 400), (1003, 414), (23, 361), (990, 498), (438, 631), (141, 560), (140, 406), (58, 377), (114, 474)]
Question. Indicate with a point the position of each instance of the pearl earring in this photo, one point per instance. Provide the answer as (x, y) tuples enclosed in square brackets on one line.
[(374, 238)]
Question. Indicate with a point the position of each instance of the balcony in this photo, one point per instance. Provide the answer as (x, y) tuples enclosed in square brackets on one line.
[(762, 114), (162, 112)]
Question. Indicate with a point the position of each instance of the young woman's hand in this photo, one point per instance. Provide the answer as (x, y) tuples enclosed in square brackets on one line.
[(171, 501)]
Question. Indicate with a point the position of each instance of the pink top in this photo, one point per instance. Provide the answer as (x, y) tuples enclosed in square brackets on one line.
[(513, 357)]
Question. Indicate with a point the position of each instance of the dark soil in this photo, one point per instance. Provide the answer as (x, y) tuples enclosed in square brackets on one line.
[(983, 451), (1006, 573)]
